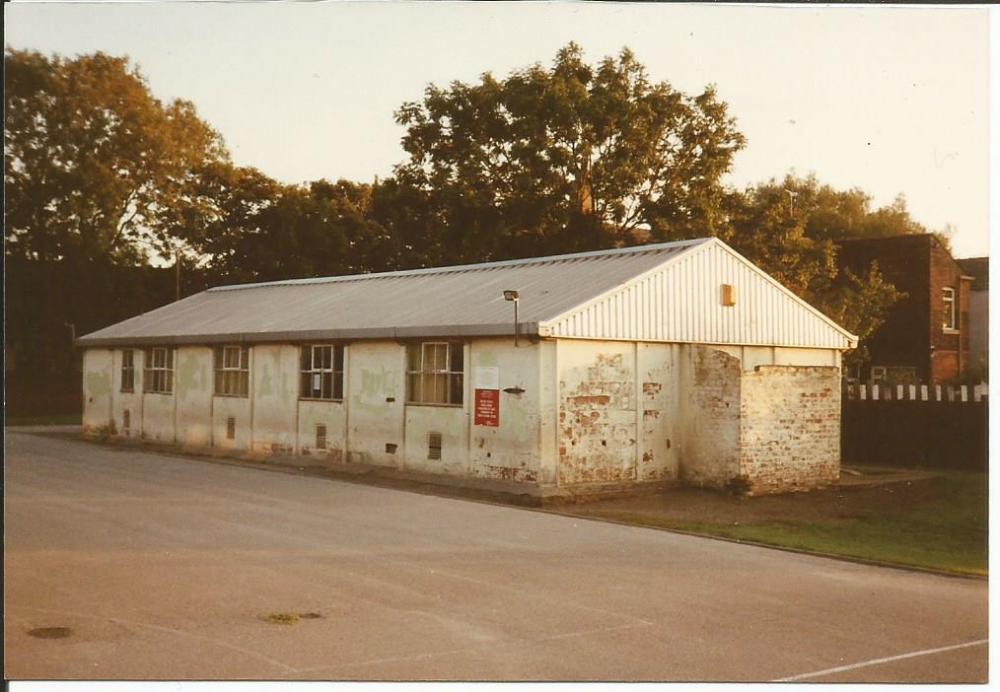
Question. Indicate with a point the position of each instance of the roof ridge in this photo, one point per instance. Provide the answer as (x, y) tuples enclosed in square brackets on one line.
[(611, 252)]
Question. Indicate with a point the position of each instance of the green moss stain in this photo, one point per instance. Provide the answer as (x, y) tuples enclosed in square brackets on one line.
[(265, 387), (98, 382), (486, 358), (190, 374)]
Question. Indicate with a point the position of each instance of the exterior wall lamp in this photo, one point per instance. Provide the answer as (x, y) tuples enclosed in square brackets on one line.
[(513, 296)]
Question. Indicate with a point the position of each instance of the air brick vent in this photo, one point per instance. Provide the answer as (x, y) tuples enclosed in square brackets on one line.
[(320, 437), (231, 428), (434, 445)]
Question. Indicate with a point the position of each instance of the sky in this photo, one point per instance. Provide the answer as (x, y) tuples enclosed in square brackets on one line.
[(888, 99)]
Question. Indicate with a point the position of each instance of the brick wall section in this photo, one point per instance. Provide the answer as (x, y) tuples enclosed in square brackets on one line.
[(597, 422), (711, 384), (790, 428)]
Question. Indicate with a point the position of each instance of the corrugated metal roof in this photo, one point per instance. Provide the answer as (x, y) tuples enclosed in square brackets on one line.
[(451, 301)]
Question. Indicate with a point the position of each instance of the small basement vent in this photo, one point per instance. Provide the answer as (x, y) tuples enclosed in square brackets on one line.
[(320, 437), (434, 445), (231, 428), (126, 420)]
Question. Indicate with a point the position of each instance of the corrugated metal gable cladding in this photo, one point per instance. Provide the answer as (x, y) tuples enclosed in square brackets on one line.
[(681, 302)]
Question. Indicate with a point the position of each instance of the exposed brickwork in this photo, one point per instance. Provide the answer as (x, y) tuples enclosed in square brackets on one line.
[(597, 423), (790, 428), (711, 455)]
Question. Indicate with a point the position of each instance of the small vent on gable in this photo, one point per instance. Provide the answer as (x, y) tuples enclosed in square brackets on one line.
[(320, 437), (434, 445), (231, 428), (728, 295)]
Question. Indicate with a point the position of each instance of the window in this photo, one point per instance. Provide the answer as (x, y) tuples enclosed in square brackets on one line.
[(159, 371), (322, 372), (232, 370), (948, 297), (128, 371), (434, 373)]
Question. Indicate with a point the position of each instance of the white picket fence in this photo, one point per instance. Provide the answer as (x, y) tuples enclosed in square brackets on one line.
[(917, 392)]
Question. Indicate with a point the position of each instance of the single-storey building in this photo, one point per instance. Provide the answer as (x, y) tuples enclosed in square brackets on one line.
[(677, 361)]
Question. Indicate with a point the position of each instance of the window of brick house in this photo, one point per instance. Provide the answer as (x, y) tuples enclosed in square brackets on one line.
[(948, 298), (158, 374), (232, 371), (128, 370), (435, 373), (321, 372)]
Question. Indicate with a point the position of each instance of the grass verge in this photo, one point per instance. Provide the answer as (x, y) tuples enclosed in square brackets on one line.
[(940, 525)]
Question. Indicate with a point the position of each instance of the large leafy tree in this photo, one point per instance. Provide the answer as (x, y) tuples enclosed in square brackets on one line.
[(555, 159), (94, 165)]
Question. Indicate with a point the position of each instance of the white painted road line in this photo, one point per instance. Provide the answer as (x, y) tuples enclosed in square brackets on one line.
[(877, 661)]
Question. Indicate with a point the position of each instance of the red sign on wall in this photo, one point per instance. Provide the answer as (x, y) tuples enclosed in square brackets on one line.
[(488, 407)]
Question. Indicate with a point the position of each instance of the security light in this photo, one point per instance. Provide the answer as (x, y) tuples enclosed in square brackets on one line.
[(512, 296)]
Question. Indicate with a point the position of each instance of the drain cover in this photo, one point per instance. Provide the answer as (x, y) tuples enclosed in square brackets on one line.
[(310, 616), (51, 632)]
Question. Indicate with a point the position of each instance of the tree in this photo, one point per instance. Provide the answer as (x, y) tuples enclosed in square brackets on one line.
[(94, 165), (250, 228), (572, 157)]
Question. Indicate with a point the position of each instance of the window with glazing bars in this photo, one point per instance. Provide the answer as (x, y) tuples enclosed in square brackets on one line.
[(435, 373), (322, 372), (948, 298), (232, 370), (158, 374), (128, 370)]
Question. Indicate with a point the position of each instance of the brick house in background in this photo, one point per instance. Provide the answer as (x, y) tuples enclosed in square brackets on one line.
[(979, 313), (925, 338)]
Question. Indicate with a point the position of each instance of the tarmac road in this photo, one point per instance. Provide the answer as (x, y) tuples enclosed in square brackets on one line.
[(163, 568)]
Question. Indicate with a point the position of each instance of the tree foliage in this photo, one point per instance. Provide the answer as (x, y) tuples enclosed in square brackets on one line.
[(559, 159), (251, 228), (94, 165)]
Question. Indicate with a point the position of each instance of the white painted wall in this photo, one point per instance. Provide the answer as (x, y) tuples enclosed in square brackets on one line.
[(332, 414), (274, 370), (193, 385), (97, 391), (376, 393), (579, 411), (127, 401), (510, 451)]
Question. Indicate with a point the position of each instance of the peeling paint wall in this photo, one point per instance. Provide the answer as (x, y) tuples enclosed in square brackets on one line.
[(274, 370), (710, 383), (193, 388), (597, 412), (97, 391), (790, 428), (571, 412), (376, 394), (659, 411), (548, 413), (511, 450)]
